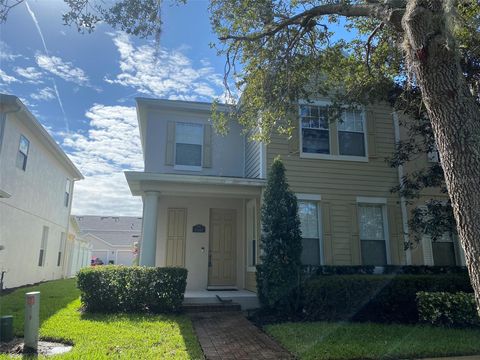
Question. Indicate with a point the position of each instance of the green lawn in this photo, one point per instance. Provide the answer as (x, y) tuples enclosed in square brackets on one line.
[(348, 341), (99, 336)]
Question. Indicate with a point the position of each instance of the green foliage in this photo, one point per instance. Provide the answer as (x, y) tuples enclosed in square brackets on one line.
[(353, 341), (278, 276), (132, 288), (378, 298), (312, 270), (280, 52), (441, 308)]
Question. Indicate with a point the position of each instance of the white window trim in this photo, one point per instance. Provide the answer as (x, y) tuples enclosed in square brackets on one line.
[(365, 135), (386, 231), (316, 198), (188, 167), (330, 156)]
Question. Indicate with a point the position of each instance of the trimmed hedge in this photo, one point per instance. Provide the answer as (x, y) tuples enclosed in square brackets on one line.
[(312, 270), (442, 308), (377, 298), (114, 288)]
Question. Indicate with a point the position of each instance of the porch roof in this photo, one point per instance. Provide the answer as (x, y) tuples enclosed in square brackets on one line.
[(193, 185)]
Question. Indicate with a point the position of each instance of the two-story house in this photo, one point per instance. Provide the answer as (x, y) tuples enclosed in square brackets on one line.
[(202, 192), (36, 186)]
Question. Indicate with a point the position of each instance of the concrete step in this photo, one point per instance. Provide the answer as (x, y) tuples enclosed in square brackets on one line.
[(211, 307)]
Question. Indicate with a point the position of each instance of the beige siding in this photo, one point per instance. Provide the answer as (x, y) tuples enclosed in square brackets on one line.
[(340, 182)]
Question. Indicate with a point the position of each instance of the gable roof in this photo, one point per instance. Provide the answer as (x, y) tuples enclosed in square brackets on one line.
[(113, 230), (12, 103)]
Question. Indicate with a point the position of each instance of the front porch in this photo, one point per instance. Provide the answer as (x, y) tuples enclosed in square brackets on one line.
[(207, 224)]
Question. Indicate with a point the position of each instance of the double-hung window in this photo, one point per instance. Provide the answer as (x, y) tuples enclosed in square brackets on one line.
[(315, 129), (372, 234), (188, 146), (443, 250), (309, 224), (351, 134), (22, 155)]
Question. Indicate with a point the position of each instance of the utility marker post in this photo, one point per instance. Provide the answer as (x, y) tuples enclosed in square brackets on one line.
[(32, 320)]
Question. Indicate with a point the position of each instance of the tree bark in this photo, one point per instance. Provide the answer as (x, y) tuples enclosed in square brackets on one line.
[(455, 116)]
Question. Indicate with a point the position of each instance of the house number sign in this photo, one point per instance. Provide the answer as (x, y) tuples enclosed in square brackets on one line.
[(198, 228)]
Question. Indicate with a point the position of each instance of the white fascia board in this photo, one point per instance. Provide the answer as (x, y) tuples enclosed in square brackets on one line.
[(140, 182)]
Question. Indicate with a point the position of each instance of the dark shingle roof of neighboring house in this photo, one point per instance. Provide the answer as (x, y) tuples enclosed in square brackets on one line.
[(115, 230)]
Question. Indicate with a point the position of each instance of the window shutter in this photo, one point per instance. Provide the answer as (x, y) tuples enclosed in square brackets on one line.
[(371, 136), (327, 233), (207, 146), (356, 252), (427, 250), (170, 146)]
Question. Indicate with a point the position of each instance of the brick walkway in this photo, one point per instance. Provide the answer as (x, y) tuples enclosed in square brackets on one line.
[(229, 335)]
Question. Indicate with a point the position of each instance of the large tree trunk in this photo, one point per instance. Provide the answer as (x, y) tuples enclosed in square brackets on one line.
[(455, 117)]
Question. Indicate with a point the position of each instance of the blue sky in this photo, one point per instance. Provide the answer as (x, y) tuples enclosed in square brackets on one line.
[(82, 88)]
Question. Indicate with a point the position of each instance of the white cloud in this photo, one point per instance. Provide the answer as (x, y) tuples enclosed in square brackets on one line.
[(45, 94), (30, 73), (5, 52), (64, 69), (164, 73), (7, 79), (111, 146)]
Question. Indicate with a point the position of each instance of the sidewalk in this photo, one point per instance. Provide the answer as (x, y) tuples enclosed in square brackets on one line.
[(229, 335)]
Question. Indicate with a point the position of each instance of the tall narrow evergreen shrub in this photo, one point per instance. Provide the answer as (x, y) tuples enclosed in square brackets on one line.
[(278, 275)]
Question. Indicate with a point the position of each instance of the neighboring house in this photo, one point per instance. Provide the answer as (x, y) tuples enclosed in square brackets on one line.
[(202, 192), (112, 237), (79, 250), (36, 190)]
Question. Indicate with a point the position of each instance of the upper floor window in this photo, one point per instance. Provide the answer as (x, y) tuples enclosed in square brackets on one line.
[(315, 129), (22, 155), (188, 145), (322, 137), (351, 134), (67, 193)]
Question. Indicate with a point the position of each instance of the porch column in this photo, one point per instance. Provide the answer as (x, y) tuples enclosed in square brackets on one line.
[(148, 247)]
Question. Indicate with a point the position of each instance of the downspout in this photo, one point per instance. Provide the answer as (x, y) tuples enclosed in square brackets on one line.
[(403, 203)]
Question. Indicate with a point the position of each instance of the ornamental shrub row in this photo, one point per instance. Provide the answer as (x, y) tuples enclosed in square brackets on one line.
[(311, 270), (442, 308), (377, 298), (132, 288)]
